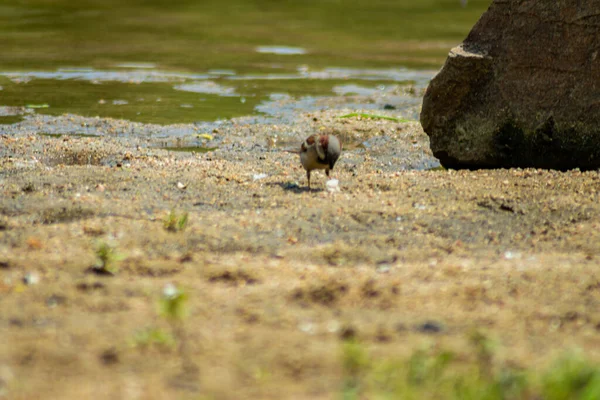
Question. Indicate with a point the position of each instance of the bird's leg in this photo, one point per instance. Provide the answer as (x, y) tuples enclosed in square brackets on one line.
[(308, 178), (327, 172)]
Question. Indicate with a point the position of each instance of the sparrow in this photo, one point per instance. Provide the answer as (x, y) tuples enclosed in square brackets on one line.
[(319, 152)]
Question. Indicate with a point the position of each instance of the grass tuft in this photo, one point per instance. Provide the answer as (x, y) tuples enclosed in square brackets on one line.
[(107, 259), (374, 116), (175, 222), (571, 377), (355, 363), (438, 374), (153, 337), (173, 303)]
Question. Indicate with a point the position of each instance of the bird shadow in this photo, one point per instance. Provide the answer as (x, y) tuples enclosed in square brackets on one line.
[(294, 187)]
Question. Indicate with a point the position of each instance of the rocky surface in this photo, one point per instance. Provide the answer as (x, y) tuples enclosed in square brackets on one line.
[(522, 90)]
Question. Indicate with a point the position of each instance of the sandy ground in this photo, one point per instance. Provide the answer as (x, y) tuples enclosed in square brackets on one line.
[(277, 275)]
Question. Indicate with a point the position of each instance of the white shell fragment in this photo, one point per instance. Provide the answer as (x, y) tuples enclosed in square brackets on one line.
[(170, 291), (31, 278), (333, 185), (259, 176)]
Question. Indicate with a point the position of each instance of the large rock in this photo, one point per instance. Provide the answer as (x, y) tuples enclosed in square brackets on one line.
[(523, 89)]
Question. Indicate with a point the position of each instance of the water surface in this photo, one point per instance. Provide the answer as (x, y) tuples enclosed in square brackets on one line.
[(165, 62)]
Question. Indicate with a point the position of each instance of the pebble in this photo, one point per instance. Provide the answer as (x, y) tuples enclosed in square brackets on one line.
[(170, 291), (31, 278), (257, 177), (333, 185), (509, 255), (307, 327), (430, 327)]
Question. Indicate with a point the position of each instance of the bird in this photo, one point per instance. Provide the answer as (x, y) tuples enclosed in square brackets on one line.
[(319, 152)]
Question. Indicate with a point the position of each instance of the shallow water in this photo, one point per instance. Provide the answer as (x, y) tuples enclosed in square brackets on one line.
[(155, 96), (154, 61)]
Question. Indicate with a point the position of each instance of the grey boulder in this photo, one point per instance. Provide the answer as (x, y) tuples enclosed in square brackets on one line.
[(522, 90)]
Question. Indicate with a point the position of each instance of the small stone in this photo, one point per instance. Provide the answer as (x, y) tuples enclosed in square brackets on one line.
[(332, 185), (181, 186), (430, 327), (419, 206), (383, 269), (333, 326), (509, 255), (257, 177), (28, 188), (55, 300), (85, 286), (348, 333), (109, 356), (31, 278), (307, 327), (170, 291), (382, 336)]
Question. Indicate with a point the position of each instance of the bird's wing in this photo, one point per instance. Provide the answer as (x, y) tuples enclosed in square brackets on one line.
[(320, 150)]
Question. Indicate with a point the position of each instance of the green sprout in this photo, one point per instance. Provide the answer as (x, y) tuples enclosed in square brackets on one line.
[(153, 337), (484, 348), (173, 303), (433, 373), (423, 367), (173, 307), (355, 364), (176, 222), (374, 116), (571, 377), (107, 259)]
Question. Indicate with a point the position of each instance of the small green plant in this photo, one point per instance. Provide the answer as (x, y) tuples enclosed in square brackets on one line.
[(153, 337), (175, 222), (484, 349), (173, 303), (424, 375), (173, 307), (571, 377), (355, 364), (432, 373), (425, 368), (374, 116), (107, 259), (438, 168)]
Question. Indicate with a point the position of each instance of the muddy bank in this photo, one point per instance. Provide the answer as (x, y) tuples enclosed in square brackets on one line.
[(276, 275)]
